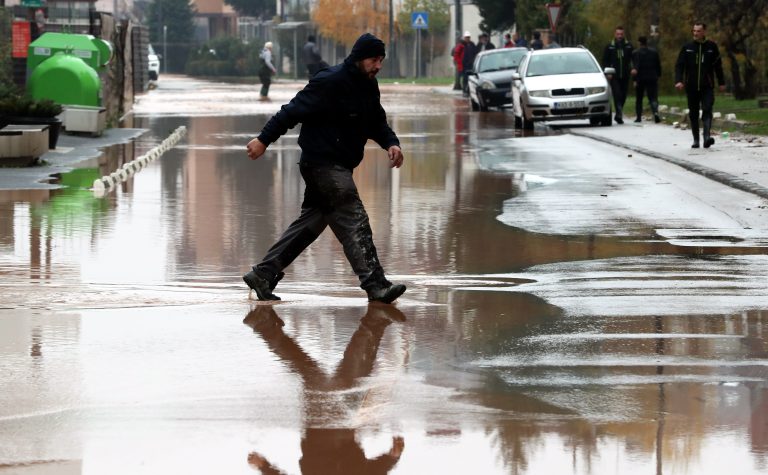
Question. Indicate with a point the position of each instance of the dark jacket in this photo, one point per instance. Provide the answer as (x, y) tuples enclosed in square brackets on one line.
[(647, 63), (339, 110), (618, 55), (470, 51), (697, 64)]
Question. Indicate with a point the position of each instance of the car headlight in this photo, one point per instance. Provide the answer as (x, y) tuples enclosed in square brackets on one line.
[(543, 93), (488, 85), (595, 90)]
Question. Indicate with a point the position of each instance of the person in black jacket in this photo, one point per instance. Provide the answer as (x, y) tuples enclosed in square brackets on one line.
[(618, 55), (646, 69), (697, 64), (467, 61), (339, 110)]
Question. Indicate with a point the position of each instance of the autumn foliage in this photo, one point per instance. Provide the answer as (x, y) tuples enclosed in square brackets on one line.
[(346, 20)]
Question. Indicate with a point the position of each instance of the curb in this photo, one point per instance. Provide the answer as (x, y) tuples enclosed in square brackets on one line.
[(716, 175)]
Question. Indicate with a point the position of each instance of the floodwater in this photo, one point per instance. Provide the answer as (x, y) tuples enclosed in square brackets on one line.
[(528, 342)]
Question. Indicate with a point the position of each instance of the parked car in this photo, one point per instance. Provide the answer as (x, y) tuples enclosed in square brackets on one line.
[(154, 64), (491, 77), (561, 84)]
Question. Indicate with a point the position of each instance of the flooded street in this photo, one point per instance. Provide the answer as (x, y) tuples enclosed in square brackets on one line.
[(570, 308)]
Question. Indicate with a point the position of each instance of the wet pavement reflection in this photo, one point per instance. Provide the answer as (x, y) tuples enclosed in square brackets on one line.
[(128, 343)]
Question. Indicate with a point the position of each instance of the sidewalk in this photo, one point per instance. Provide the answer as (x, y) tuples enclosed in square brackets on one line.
[(740, 162)]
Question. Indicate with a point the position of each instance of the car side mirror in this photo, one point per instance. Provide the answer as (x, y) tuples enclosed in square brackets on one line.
[(609, 71), (515, 76)]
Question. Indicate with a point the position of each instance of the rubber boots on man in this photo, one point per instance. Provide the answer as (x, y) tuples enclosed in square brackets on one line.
[(708, 140)]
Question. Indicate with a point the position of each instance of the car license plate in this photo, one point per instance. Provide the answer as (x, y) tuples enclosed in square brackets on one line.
[(569, 105)]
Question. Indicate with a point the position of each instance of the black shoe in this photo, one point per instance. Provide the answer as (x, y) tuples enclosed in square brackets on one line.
[(386, 294), (619, 120), (695, 144), (638, 119), (656, 118), (273, 284), (263, 287), (708, 142)]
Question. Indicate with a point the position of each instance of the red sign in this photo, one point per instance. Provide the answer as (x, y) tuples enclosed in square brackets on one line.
[(21, 36), (553, 10)]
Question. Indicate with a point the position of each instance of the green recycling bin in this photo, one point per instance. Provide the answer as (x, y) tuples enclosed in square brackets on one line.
[(64, 67)]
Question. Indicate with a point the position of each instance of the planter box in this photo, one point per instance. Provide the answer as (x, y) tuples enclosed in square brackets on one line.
[(22, 145), (88, 119), (53, 124)]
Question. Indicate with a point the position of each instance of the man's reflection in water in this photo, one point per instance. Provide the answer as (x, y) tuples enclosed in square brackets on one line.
[(330, 451)]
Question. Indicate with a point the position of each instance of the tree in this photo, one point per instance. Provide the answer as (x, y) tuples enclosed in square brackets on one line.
[(177, 16), (345, 20), (498, 15), (530, 15), (263, 9)]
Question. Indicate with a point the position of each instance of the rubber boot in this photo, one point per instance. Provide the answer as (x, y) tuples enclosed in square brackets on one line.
[(708, 140), (695, 132), (655, 109)]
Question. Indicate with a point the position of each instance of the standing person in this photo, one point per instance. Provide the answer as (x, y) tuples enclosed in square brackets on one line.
[(536, 43), (618, 55), (508, 43), (484, 43), (339, 110), (266, 70), (697, 64), (458, 57), (646, 69), (467, 61), (312, 58), (520, 41)]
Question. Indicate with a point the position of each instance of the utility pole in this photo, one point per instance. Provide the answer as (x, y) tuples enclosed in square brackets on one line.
[(459, 20)]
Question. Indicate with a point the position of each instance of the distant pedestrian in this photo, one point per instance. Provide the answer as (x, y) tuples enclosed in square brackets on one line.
[(536, 43), (646, 69), (553, 42), (484, 43), (458, 63), (312, 58), (697, 65), (266, 70), (467, 61), (618, 55), (508, 43), (520, 41)]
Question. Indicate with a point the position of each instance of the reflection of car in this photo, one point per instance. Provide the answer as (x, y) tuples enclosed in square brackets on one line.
[(491, 77), (561, 84), (154, 64)]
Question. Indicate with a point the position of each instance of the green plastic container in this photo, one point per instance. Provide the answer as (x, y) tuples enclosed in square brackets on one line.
[(95, 52), (65, 79)]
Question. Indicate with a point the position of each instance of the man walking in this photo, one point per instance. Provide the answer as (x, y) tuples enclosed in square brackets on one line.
[(339, 110), (312, 58), (618, 55), (697, 64), (467, 61), (646, 69), (266, 70)]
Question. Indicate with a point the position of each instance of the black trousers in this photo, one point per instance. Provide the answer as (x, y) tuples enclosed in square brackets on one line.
[(266, 81), (651, 88), (619, 88), (706, 99), (330, 199)]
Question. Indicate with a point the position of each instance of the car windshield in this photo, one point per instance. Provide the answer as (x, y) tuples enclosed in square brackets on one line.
[(500, 61), (561, 63)]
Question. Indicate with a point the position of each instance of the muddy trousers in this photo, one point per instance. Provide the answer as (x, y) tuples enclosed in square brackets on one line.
[(330, 199), (651, 88), (706, 98), (619, 88)]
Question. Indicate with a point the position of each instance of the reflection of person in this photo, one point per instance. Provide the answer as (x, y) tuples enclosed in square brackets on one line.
[(312, 57), (467, 61), (697, 64), (646, 69), (330, 450), (266, 69), (618, 55), (339, 110)]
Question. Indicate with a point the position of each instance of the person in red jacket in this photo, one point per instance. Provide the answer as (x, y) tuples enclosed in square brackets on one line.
[(458, 59)]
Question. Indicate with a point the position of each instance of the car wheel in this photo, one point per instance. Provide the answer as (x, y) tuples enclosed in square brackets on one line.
[(474, 105), (527, 124), (483, 107), (605, 121), (595, 120), (153, 75), (518, 122)]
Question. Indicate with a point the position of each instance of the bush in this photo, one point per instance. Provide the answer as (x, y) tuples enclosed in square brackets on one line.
[(13, 103), (224, 57)]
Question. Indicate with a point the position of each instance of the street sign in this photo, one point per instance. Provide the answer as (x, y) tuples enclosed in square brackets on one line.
[(32, 3), (553, 11), (419, 20)]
